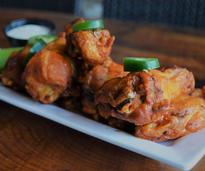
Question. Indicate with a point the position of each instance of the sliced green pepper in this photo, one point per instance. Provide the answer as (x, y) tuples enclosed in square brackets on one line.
[(45, 38), (40, 44), (136, 64), (88, 25), (5, 54)]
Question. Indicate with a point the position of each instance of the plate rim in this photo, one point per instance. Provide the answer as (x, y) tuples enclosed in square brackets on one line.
[(134, 144)]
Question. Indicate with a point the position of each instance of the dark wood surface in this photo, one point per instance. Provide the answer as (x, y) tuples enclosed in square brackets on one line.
[(29, 142)]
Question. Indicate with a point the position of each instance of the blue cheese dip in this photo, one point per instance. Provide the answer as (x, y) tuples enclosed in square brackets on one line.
[(27, 31)]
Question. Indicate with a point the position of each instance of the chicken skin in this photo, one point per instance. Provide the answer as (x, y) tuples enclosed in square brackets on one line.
[(186, 115), (11, 75), (46, 76), (49, 72), (94, 79), (76, 71), (58, 45), (142, 97), (91, 49), (91, 46), (94, 46)]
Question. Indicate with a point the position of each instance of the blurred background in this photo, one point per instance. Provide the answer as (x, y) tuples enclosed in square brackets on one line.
[(182, 13), (172, 30)]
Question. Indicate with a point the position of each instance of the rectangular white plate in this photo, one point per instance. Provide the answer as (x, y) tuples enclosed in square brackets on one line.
[(183, 153)]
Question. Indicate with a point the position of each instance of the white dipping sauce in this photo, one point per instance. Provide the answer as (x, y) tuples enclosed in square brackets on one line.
[(27, 31)]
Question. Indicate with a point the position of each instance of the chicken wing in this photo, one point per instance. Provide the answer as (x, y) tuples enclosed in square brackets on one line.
[(11, 75), (93, 47), (46, 76), (94, 79), (59, 45), (77, 70), (186, 115), (140, 98), (48, 73)]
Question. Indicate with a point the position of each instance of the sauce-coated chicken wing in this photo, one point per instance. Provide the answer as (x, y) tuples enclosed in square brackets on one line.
[(91, 46), (11, 75), (94, 79), (91, 49), (46, 76), (94, 46), (49, 72), (186, 115), (141, 97), (76, 69)]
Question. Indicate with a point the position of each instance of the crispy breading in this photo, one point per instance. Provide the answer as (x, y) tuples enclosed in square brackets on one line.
[(94, 79), (46, 76), (90, 50), (186, 115), (141, 97), (11, 75), (93, 47), (77, 69)]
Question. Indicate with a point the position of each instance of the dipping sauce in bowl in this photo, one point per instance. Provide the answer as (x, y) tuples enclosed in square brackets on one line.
[(19, 31), (27, 31)]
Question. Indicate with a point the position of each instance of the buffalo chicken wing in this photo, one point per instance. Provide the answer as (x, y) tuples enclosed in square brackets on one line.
[(186, 115), (76, 69), (11, 75), (49, 72), (140, 98), (90, 49)]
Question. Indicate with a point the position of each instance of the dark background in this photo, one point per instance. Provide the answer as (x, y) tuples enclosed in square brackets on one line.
[(51, 5), (181, 13)]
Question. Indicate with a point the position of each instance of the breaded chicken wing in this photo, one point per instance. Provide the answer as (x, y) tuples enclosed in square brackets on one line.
[(11, 75), (94, 46), (49, 72), (47, 75), (59, 45), (94, 79), (186, 115), (141, 97), (99, 74), (91, 46), (91, 49), (76, 69)]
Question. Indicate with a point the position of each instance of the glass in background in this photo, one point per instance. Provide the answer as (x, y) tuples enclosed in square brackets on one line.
[(91, 9)]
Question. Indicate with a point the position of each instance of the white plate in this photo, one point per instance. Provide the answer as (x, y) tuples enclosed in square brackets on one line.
[(183, 153)]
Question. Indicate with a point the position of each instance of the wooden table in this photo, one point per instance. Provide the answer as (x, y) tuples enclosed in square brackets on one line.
[(29, 142)]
